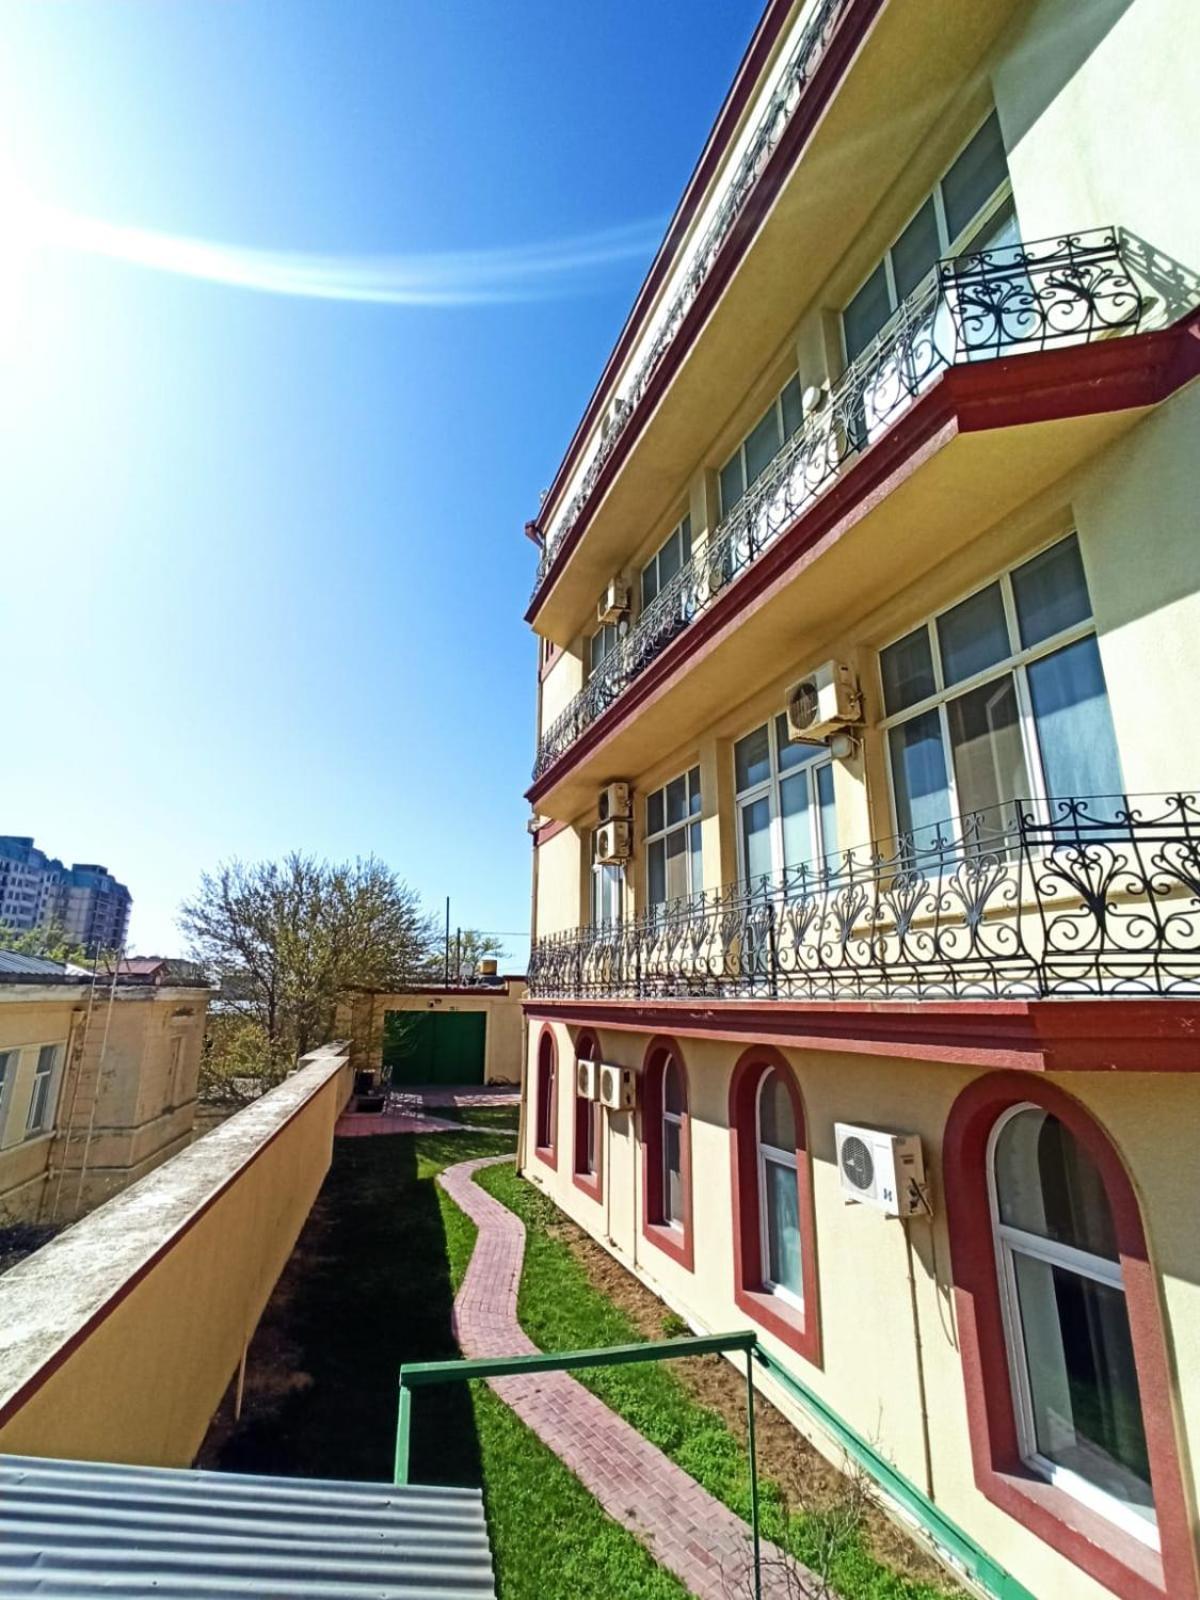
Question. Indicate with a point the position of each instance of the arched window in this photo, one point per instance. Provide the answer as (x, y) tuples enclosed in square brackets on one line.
[(588, 1125), (667, 1153), (779, 1190), (1066, 1323), (546, 1099), (775, 1277), (1068, 1389), (674, 1109)]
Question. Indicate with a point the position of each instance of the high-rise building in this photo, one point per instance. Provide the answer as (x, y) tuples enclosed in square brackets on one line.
[(37, 890), (864, 995)]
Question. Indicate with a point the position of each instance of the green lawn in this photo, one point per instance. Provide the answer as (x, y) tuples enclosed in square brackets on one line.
[(493, 1117), (561, 1310)]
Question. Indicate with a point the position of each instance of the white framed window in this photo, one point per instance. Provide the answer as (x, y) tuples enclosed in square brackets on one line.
[(782, 418), (608, 889), (786, 814), (674, 1109), (8, 1073), (602, 644), (673, 851), (45, 1086), (779, 1190), (971, 208), (1066, 1324), (666, 561), (999, 698)]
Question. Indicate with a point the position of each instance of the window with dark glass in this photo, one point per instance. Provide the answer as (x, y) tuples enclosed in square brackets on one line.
[(786, 815), (762, 444), (673, 852), (666, 561)]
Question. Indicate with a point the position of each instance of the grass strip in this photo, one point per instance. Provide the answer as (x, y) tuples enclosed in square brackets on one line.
[(560, 1309)]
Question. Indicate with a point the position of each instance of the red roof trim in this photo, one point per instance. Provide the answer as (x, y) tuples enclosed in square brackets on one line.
[(850, 30)]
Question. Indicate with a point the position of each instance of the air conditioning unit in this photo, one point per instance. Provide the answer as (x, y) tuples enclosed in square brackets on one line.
[(586, 1073), (823, 702), (884, 1170), (614, 843), (614, 602), (716, 574), (618, 1087), (614, 801)]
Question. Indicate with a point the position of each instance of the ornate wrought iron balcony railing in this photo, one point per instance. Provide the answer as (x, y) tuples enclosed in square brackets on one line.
[(1000, 302), (777, 114), (1065, 898)]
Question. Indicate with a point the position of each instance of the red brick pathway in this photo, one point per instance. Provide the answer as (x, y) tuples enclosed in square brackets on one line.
[(683, 1527)]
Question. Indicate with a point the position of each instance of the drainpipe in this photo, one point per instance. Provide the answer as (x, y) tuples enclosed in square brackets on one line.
[(922, 1396)]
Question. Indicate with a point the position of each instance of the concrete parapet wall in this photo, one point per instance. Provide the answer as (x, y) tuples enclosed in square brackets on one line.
[(118, 1339)]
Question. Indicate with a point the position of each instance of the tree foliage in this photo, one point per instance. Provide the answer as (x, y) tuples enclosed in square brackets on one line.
[(286, 939), (49, 941)]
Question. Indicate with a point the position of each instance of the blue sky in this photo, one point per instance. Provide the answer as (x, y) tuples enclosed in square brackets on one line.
[(263, 561)]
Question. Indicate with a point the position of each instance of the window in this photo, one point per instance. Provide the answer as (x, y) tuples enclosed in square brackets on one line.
[(775, 1279), (41, 1103), (999, 699), (667, 561), (602, 644), (673, 852), (970, 209), (588, 1126), (761, 445), (666, 1154), (786, 816), (608, 889), (779, 1194), (674, 1108), (8, 1071), (546, 1100), (1070, 1398), (1070, 1351)]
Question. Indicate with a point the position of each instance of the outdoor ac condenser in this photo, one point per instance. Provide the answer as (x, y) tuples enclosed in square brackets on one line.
[(586, 1073), (618, 1087), (883, 1170)]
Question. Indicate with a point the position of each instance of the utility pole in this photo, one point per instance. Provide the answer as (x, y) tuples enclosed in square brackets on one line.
[(446, 960)]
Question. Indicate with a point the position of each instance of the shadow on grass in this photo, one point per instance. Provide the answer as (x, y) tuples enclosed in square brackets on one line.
[(367, 1287)]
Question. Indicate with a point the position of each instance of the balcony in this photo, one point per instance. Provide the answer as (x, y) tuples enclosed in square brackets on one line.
[(1075, 898), (1006, 302)]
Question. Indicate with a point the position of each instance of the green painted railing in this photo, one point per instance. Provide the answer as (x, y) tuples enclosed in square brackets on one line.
[(945, 1533)]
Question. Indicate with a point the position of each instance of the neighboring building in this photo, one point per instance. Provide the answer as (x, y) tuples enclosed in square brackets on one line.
[(97, 1083), (454, 1035), (37, 890), (868, 465)]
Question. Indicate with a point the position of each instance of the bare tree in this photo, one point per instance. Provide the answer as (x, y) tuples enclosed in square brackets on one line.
[(286, 939)]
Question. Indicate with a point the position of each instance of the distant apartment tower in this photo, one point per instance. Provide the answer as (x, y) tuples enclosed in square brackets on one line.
[(37, 889)]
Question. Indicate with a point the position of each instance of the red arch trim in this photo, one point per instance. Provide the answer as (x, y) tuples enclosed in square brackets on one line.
[(587, 1048), (1112, 1557), (544, 1089), (799, 1330)]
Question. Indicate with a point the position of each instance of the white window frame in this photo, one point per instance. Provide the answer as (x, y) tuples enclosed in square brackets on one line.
[(1014, 665), (10, 1063), (611, 874), (784, 1158), (660, 836), (948, 247), (769, 787), (1008, 1241), (683, 532), (776, 405), (671, 1119), (52, 1079)]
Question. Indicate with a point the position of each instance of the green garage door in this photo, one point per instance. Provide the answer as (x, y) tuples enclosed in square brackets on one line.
[(424, 1047)]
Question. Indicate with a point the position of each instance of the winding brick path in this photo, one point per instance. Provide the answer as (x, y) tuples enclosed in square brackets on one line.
[(683, 1527)]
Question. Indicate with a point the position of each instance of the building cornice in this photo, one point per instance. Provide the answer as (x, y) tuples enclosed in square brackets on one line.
[(1101, 1035)]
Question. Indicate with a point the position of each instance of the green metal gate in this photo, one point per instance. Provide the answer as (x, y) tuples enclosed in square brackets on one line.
[(423, 1047)]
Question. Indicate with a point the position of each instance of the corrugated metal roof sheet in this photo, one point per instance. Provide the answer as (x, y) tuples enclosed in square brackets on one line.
[(36, 966), (74, 1529)]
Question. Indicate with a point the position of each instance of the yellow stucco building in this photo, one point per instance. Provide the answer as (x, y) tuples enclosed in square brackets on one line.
[(866, 796), (97, 1084)]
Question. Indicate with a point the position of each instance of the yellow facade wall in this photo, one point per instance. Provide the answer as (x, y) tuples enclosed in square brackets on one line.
[(153, 1299), (869, 1373)]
